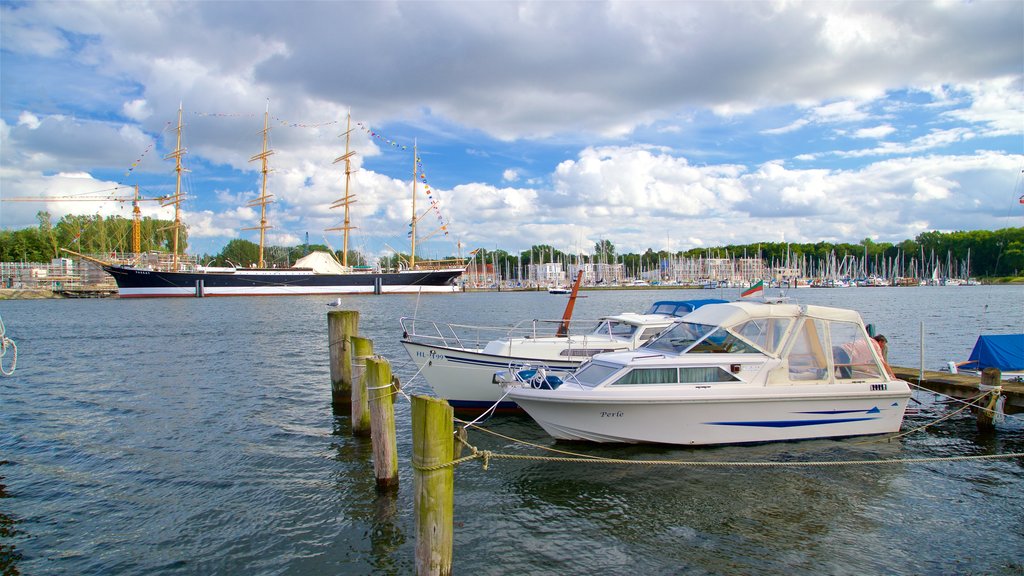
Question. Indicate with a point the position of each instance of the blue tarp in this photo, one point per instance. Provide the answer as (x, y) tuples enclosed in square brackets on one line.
[(1003, 351), (681, 307)]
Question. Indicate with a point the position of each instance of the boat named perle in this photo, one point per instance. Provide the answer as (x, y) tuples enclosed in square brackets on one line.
[(728, 373)]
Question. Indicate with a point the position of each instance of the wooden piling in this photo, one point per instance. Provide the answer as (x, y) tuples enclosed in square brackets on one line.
[(341, 324), (433, 490), (991, 379), (362, 349), (379, 390)]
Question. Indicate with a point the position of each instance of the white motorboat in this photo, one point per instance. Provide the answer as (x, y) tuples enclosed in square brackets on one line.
[(459, 361), (727, 373)]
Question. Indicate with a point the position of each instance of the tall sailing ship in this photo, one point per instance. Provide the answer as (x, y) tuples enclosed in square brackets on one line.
[(316, 273)]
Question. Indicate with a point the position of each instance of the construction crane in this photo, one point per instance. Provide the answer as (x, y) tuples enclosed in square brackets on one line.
[(135, 199)]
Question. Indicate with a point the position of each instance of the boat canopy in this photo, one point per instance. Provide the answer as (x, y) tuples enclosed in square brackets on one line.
[(734, 313), (681, 307), (1003, 351)]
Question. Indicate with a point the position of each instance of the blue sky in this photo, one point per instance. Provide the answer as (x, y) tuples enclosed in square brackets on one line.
[(654, 125)]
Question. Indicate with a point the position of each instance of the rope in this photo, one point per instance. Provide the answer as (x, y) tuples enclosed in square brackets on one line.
[(972, 401), (4, 343), (487, 456)]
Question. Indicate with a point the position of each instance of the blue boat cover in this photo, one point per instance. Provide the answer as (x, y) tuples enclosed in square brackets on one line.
[(1003, 351), (681, 307)]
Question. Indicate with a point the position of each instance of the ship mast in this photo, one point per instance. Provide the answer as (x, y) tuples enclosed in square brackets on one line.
[(263, 198), (348, 198), (136, 225), (176, 199), (415, 175)]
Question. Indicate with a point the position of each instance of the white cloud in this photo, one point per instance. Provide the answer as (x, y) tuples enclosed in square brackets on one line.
[(935, 188), (28, 120), (874, 132), (510, 175)]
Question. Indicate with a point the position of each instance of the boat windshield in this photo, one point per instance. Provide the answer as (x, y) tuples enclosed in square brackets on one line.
[(680, 337), (615, 329), (591, 374), (701, 339)]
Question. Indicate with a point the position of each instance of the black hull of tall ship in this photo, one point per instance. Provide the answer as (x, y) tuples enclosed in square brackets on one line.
[(139, 283)]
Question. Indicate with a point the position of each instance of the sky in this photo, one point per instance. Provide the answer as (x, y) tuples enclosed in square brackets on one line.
[(664, 125)]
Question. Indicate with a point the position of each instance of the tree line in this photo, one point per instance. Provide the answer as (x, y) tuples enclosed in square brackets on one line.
[(989, 252)]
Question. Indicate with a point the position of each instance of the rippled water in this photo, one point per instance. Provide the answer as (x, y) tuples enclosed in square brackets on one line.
[(197, 437)]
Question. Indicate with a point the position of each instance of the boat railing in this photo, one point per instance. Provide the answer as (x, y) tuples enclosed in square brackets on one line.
[(468, 336)]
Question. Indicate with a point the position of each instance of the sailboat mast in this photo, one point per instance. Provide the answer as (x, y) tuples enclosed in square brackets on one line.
[(176, 199), (263, 198), (415, 173), (347, 199)]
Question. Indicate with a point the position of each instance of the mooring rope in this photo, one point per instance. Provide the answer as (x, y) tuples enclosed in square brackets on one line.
[(973, 401), (488, 455), (6, 342)]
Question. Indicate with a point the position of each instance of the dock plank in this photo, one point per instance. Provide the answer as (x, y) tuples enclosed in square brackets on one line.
[(961, 385)]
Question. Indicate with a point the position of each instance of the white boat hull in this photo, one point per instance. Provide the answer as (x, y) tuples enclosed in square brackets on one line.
[(711, 416), (465, 377)]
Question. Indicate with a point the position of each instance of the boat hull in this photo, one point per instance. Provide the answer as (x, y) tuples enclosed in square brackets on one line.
[(465, 378), (138, 283), (723, 418)]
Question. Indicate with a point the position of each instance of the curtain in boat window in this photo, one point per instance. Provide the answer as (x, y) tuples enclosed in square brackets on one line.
[(705, 375), (806, 358), (692, 375), (649, 376)]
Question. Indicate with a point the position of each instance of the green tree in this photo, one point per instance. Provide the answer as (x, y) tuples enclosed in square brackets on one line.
[(238, 252)]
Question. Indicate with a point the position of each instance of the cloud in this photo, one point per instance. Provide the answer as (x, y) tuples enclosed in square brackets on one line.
[(709, 122), (874, 132)]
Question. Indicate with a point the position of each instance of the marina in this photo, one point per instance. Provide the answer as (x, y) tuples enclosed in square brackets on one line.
[(182, 436)]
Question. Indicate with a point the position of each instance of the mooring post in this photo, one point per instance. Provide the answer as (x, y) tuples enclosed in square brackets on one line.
[(341, 324), (991, 380), (433, 484), (379, 390), (362, 349)]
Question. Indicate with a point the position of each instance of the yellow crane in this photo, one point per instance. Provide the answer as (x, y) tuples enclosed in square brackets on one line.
[(135, 199)]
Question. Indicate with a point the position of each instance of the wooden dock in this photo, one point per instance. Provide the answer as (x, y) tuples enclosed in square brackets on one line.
[(961, 386)]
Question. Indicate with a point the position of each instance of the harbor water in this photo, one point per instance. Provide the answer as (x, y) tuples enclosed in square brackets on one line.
[(196, 436)]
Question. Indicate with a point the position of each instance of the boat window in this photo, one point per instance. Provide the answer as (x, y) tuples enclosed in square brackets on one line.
[(592, 374), (721, 341), (680, 337), (853, 352), (699, 375), (649, 376), (766, 333), (615, 328), (806, 357), (649, 333)]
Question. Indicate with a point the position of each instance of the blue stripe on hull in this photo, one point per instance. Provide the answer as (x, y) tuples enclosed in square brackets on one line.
[(789, 423)]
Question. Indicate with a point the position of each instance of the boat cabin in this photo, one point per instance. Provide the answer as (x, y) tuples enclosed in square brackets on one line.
[(777, 344)]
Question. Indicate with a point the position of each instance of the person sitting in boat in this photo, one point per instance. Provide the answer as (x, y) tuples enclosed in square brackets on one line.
[(862, 360), (882, 347)]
